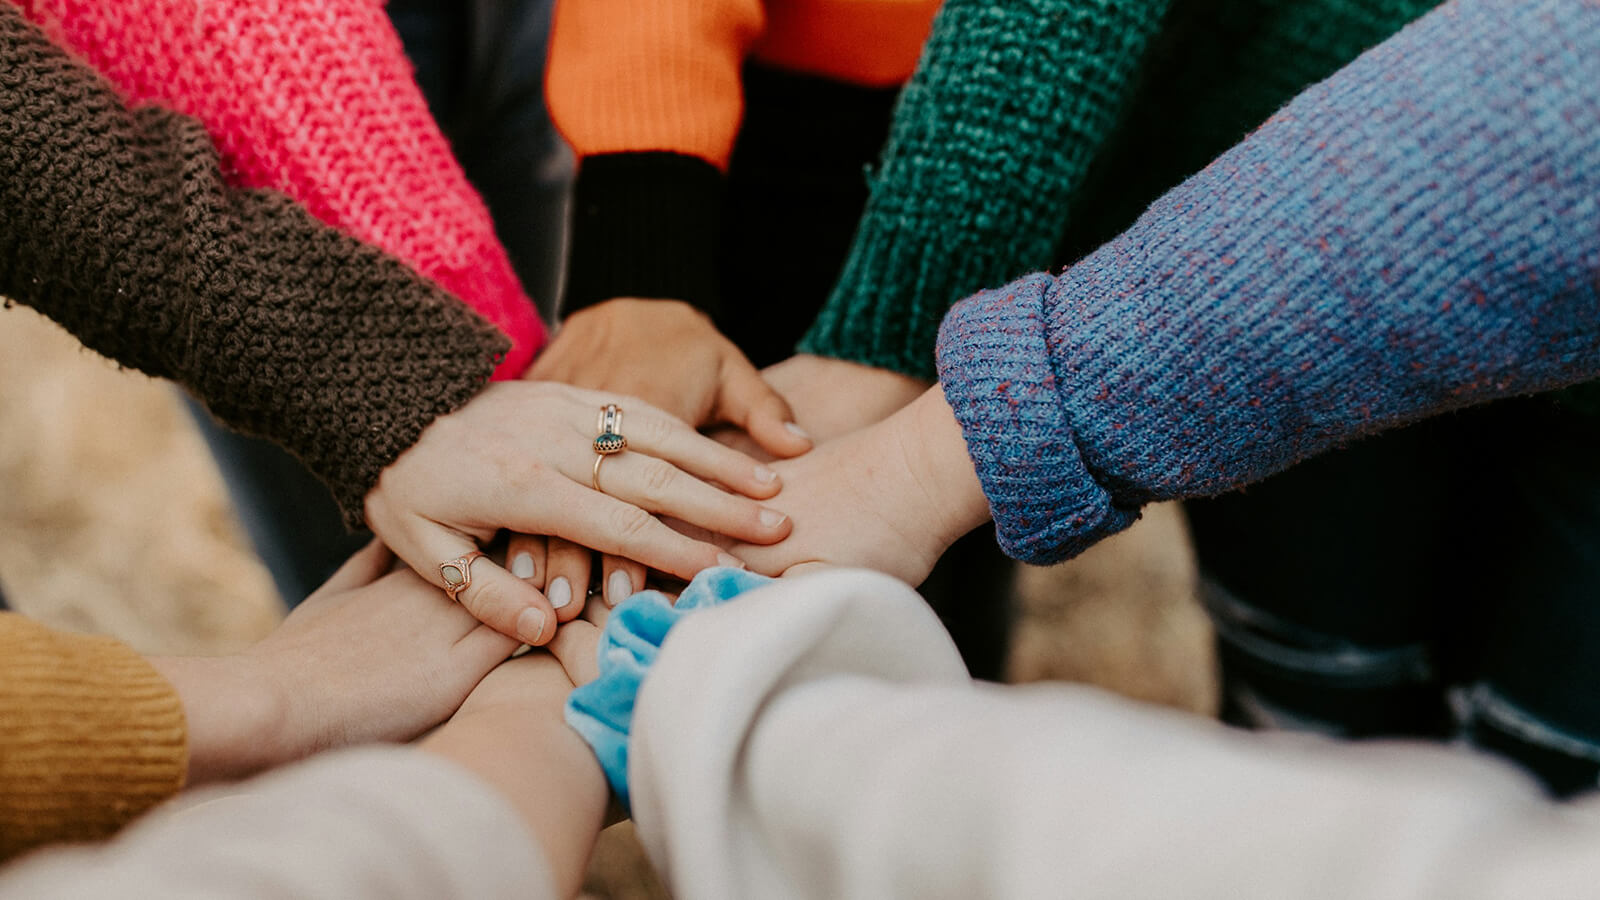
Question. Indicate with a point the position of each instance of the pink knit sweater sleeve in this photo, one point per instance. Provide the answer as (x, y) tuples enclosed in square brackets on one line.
[(314, 98)]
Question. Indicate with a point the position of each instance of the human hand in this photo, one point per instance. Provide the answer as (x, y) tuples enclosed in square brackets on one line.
[(520, 456), (368, 657), (833, 397), (892, 497), (669, 354), (512, 734)]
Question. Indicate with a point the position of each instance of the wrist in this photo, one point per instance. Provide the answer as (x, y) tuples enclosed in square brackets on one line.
[(235, 713), (937, 459), (521, 748)]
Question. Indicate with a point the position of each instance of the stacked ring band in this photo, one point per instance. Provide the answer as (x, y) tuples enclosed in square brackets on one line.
[(457, 574), (609, 439)]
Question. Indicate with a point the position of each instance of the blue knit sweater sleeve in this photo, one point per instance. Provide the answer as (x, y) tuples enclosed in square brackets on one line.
[(1418, 233)]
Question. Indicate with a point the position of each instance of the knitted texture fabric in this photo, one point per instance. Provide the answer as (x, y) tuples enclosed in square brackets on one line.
[(316, 99), (627, 77), (1017, 107), (118, 225), (90, 736), (1005, 111), (652, 97), (1418, 233)]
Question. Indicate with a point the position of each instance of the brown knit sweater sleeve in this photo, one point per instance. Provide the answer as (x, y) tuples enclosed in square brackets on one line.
[(90, 736), (118, 225)]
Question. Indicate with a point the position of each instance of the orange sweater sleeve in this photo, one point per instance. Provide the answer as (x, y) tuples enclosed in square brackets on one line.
[(650, 96), (90, 736), (625, 76)]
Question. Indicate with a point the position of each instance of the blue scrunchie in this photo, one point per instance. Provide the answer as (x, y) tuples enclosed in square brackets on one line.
[(602, 710)]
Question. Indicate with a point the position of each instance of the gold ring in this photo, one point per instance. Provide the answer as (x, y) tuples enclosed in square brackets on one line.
[(609, 439), (457, 574)]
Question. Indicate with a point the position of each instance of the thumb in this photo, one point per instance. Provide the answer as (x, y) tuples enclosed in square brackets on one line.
[(366, 566), (746, 400)]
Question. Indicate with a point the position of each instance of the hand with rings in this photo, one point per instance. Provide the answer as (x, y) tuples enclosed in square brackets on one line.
[(527, 457)]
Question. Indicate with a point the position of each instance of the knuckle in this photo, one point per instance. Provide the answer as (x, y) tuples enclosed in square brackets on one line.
[(630, 522), (659, 478), (487, 601), (654, 430)]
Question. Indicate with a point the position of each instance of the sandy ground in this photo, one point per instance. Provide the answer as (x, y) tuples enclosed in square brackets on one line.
[(115, 521)]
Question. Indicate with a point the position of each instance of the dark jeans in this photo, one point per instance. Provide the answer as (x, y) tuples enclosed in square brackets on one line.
[(1438, 581), (481, 66)]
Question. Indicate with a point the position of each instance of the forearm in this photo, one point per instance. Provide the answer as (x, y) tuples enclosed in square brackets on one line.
[(235, 717), (538, 765), (371, 824), (316, 99), (1414, 235), (819, 738), (982, 126), (650, 98), (119, 227)]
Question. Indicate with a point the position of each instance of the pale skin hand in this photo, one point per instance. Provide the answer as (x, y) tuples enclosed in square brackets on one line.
[(520, 456), (368, 657), (833, 397), (669, 354), (510, 732), (892, 497)]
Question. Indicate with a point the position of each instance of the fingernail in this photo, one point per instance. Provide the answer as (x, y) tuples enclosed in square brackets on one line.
[(530, 625), (797, 431), (765, 475), (732, 562), (522, 565), (618, 587), (771, 518), (559, 593)]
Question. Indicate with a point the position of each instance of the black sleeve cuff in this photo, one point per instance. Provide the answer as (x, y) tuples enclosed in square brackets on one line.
[(646, 225)]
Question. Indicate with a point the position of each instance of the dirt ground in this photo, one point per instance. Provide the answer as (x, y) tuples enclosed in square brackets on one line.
[(114, 520)]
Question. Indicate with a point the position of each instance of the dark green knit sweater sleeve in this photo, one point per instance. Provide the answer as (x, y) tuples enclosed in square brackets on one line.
[(998, 126), (118, 226)]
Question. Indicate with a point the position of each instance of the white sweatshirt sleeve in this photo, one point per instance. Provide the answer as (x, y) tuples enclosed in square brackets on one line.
[(819, 738), (387, 823)]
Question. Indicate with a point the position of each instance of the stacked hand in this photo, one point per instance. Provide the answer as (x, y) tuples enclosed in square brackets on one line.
[(520, 456), (670, 355), (369, 657), (891, 497)]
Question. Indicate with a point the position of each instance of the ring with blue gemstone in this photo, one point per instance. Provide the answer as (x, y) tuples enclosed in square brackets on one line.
[(610, 439)]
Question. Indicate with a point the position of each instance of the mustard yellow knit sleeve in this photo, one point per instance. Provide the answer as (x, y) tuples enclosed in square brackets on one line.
[(90, 736)]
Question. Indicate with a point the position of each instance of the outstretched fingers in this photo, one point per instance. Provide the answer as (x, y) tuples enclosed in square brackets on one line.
[(495, 597)]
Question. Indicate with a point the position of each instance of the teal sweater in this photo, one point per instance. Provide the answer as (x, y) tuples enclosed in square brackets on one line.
[(1036, 125)]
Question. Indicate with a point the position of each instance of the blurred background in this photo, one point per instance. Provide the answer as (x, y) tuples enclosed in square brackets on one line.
[(115, 521)]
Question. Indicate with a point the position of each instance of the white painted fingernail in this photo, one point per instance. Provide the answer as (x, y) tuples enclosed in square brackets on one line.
[(797, 431), (732, 562), (765, 475), (530, 625), (522, 565), (560, 592), (771, 518), (618, 588)]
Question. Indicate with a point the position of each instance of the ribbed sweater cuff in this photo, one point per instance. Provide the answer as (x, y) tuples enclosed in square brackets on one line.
[(994, 363), (647, 225), (90, 736)]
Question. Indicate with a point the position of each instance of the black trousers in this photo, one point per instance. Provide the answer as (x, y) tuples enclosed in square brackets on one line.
[(1436, 581)]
